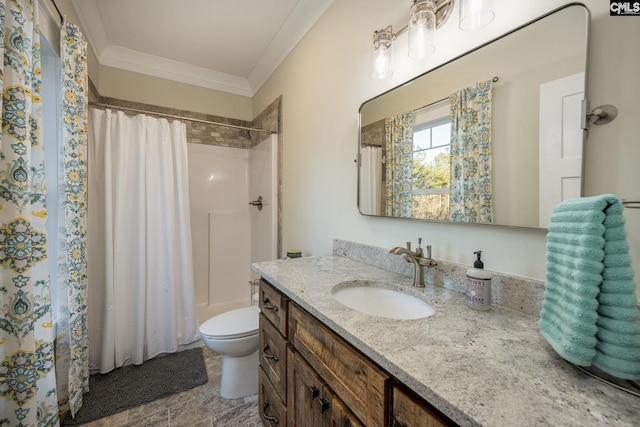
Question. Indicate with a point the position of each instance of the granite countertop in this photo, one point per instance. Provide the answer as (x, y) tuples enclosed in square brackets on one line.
[(489, 368)]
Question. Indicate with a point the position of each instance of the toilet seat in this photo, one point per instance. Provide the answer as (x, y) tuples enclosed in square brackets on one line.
[(238, 323)]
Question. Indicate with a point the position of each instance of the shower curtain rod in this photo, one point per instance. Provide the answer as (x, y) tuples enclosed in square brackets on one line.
[(172, 116)]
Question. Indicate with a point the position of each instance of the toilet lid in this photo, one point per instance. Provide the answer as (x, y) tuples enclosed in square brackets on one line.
[(232, 324)]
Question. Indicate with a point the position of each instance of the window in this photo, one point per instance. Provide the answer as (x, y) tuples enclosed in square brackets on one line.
[(52, 136), (432, 163)]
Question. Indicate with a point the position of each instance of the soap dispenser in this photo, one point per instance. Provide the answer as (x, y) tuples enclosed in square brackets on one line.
[(478, 285)]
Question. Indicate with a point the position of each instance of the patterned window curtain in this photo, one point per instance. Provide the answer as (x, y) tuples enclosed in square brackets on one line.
[(399, 164), (72, 335), (28, 394), (471, 190)]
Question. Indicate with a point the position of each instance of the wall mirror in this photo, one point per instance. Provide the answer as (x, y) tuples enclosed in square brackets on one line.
[(418, 160)]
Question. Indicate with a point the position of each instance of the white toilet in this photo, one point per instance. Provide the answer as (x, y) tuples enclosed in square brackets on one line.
[(234, 335)]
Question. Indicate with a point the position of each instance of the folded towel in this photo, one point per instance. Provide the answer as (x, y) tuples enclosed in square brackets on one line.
[(589, 313)]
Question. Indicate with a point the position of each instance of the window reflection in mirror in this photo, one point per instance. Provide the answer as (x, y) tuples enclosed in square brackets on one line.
[(431, 162)]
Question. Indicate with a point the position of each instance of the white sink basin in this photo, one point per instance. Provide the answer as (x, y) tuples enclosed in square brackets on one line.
[(380, 299)]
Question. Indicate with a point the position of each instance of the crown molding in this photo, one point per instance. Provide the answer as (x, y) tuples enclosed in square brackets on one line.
[(299, 21), (132, 60), (297, 24)]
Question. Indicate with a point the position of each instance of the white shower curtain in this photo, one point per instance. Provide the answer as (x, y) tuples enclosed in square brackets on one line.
[(141, 287), (371, 180)]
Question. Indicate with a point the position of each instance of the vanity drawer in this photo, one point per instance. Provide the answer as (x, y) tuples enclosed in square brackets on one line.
[(274, 306), (362, 386), (273, 411), (273, 356)]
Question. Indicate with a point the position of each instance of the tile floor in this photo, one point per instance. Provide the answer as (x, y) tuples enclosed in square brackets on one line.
[(199, 407)]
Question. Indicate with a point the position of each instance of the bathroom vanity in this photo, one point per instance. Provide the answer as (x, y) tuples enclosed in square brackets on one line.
[(310, 376), (323, 363)]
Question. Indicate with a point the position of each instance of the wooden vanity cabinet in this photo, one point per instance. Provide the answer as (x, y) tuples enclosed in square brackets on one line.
[(310, 376)]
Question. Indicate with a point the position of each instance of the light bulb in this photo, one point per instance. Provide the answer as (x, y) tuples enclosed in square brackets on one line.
[(422, 26)]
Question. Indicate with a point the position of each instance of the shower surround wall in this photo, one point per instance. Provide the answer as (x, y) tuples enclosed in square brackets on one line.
[(218, 175), (221, 227)]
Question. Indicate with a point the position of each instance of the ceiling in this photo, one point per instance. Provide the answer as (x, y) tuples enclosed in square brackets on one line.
[(226, 45)]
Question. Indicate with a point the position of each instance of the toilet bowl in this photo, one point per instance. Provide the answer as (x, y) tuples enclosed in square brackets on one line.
[(234, 335)]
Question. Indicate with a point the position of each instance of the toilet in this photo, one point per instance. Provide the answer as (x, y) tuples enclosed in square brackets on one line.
[(235, 336)]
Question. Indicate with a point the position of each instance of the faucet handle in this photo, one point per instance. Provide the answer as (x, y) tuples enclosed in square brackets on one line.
[(428, 251), (419, 251), (408, 245)]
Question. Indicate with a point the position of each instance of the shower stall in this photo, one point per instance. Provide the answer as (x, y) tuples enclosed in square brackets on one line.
[(228, 232)]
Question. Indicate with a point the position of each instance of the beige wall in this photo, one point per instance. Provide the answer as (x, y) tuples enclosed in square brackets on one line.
[(326, 78)]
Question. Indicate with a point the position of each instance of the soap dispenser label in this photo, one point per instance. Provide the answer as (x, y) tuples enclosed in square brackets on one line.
[(478, 291)]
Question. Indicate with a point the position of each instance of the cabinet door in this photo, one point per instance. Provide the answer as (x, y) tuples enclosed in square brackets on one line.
[(340, 415), (360, 384), (408, 412), (305, 401), (311, 402)]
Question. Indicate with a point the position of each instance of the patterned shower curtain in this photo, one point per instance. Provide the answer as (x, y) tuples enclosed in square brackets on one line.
[(471, 194), (70, 311), (27, 373), (399, 164), (40, 383)]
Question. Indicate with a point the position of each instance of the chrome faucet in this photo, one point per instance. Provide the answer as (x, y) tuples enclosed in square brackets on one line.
[(418, 259)]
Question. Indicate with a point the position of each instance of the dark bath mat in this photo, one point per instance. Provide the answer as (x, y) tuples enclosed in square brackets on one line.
[(130, 386)]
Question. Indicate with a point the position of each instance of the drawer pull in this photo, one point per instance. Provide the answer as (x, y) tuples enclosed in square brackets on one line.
[(266, 304), (267, 355), (313, 392), (323, 404), (268, 417)]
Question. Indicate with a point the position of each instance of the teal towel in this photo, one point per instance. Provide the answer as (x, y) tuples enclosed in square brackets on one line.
[(590, 309)]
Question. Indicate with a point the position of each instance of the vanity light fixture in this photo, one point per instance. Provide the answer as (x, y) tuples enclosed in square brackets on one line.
[(382, 53), (425, 17)]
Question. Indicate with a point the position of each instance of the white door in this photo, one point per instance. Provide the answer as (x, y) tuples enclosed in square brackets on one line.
[(561, 143), (263, 183)]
